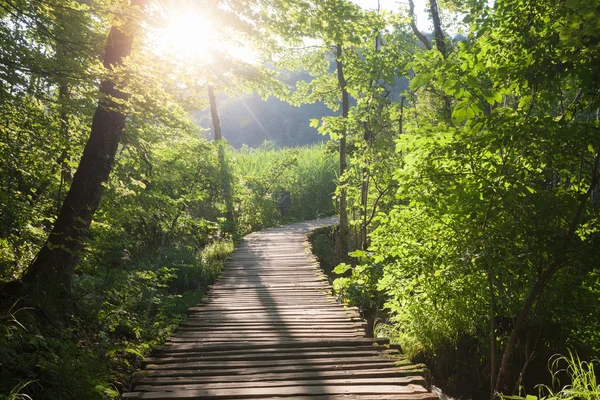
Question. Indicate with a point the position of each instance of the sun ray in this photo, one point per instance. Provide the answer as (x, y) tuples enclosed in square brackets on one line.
[(191, 36)]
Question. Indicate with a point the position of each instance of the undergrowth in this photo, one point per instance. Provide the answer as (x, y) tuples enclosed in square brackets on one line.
[(93, 354), (572, 378)]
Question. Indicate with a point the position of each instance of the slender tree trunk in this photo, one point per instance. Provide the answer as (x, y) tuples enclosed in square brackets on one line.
[(226, 181), (413, 25), (214, 113), (223, 167), (440, 41), (492, 333), (364, 199), (343, 162), (544, 278), (368, 138), (63, 98), (401, 123), (49, 275), (512, 341)]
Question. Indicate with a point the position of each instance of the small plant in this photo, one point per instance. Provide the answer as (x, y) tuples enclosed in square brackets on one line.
[(583, 383), (16, 394)]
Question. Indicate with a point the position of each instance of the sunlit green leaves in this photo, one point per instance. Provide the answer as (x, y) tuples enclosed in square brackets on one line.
[(420, 80)]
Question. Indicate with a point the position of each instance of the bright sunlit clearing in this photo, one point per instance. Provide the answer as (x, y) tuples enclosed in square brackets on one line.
[(191, 36)]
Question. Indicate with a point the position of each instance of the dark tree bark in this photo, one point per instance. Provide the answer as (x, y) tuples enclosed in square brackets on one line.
[(49, 275), (440, 41), (343, 163)]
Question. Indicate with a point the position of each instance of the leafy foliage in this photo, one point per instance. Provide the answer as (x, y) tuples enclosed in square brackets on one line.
[(473, 195), (161, 234)]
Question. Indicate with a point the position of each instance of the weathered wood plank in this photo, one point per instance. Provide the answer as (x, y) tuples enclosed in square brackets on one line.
[(274, 370), (372, 373), (258, 363), (241, 393), (415, 380), (269, 356)]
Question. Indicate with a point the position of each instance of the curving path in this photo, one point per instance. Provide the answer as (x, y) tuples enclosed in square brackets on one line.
[(270, 329)]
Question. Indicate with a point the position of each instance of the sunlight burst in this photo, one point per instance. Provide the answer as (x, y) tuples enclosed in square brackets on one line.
[(192, 36)]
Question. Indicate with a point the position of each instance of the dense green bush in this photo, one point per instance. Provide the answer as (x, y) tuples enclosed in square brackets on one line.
[(486, 257)]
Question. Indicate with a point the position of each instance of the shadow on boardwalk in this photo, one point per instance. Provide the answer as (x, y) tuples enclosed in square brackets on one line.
[(270, 328)]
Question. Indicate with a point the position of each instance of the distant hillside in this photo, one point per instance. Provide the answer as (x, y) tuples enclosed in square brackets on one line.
[(251, 120)]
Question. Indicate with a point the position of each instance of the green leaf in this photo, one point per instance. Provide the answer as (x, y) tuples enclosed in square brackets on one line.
[(420, 80), (341, 268), (314, 123), (498, 97), (358, 254)]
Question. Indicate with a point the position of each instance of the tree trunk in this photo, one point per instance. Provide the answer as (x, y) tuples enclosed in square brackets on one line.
[(364, 200), (214, 113), (492, 333), (545, 277), (226, 181), (63, 98), (413, 25), (343, 163), (49, 275), (440, 41), (440, 44), (401, 122), (223, 167)]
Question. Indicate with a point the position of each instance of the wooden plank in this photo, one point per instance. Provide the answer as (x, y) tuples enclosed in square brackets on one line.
[(268, 356), (276, 344), (199, 323), (273, 370), (415, 380), (276, 350), (241, 393), (259, 363), (295, 376)]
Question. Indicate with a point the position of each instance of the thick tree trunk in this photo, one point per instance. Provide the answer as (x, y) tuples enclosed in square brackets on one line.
[(343, 163), (49, 275)]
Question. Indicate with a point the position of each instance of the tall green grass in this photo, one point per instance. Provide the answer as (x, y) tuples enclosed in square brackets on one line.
[(580, 375), (261, 174)]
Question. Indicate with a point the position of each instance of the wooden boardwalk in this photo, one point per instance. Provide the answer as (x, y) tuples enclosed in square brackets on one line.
[(270, 329)]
